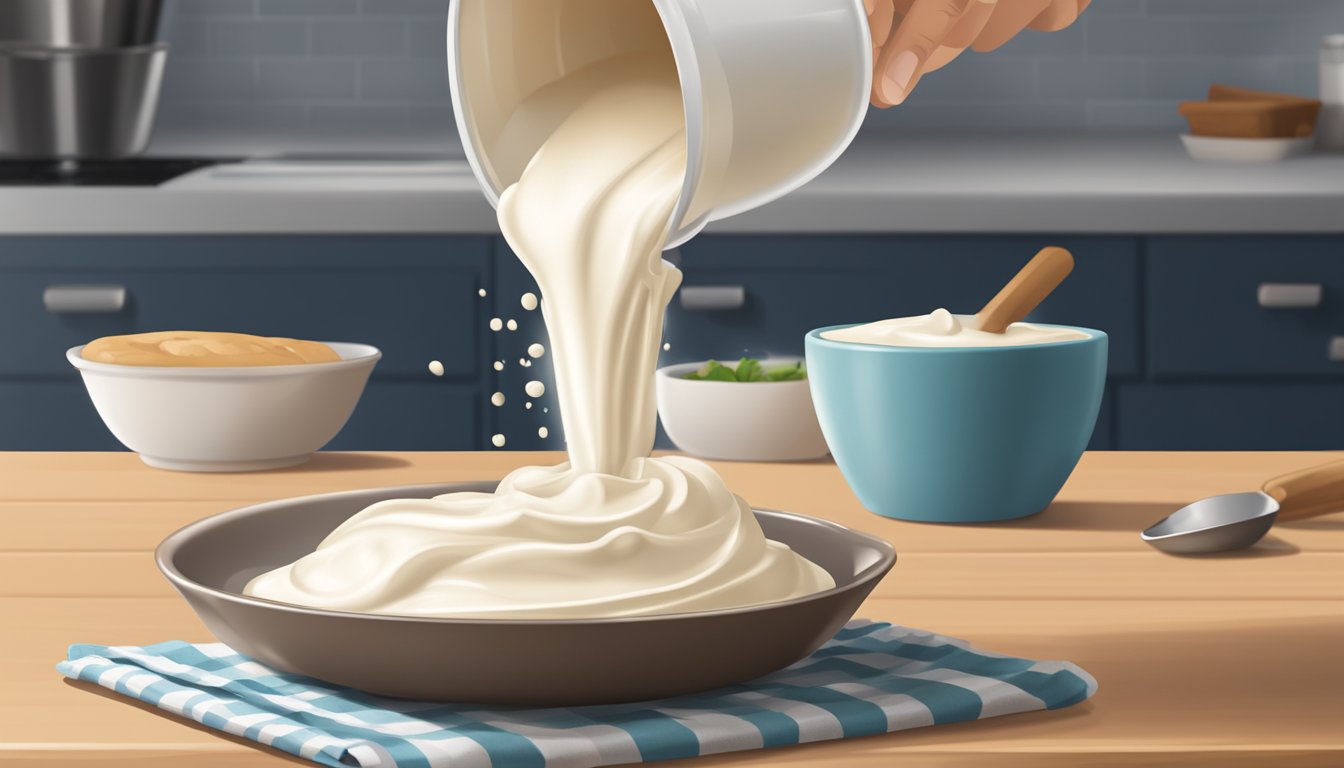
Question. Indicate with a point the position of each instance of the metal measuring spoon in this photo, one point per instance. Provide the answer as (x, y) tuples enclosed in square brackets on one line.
[(1237, 520)]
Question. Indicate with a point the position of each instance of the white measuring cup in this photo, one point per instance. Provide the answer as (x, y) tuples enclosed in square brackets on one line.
[(773, 91)]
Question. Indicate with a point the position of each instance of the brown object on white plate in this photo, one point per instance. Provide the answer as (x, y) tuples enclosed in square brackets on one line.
[(1241, 113), (1220, 92), (1028, 288)]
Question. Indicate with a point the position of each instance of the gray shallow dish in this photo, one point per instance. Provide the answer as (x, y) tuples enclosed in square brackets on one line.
[(512, 662)]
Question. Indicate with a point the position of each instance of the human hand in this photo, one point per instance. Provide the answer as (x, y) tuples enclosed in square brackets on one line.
[(912, 37)]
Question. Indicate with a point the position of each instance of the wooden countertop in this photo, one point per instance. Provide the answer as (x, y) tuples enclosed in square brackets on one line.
[(1231, 660)]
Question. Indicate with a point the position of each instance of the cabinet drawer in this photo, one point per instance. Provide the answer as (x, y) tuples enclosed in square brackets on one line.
[(1205, 313), (414, 298), (1103, 434), (414, 416), (794, 284), (51, 416), (1231, 416), (391, 416)]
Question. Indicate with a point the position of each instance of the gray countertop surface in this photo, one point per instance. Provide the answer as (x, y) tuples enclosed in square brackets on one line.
[(883, 184)]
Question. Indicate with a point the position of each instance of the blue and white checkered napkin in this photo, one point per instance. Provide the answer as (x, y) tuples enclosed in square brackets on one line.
[(872, 678)]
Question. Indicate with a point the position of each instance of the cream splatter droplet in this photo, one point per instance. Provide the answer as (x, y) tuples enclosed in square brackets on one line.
[(435, 367), (499, 365), (496, 324), (528, 406), (536, 350), (497, 441), (534, 388), (529, 301), (481, 293), (666, 346), (497, 399), (513, 324), (543, 433)]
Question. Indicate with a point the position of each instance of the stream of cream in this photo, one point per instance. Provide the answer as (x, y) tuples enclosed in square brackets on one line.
[(612, 532)]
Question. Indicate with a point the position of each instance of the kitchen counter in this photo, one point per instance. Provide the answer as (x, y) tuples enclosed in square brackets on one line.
[(1141, 184), (1229, 660)]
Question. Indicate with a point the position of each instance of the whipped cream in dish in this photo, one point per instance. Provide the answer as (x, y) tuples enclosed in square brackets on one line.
[(941, 328), (666, 536), (611, 532)]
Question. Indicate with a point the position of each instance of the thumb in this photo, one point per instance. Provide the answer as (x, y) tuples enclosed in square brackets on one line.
[(911, 44)]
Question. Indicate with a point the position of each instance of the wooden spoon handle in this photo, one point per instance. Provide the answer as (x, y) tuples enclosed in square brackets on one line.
[(1309, 492), (1026, 290)]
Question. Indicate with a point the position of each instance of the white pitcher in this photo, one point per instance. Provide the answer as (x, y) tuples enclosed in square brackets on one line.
[(773, 90)]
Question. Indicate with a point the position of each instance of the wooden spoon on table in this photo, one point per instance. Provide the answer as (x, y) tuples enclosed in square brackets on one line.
[(1038, 279)]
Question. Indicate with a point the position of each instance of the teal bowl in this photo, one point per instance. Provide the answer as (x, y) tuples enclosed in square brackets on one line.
[(957, 435)]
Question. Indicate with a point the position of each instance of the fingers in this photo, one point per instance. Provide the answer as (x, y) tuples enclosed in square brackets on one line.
[(961, 36), (913, 37), (880, 15), (1059, 14), (941, 58), (879, 22), (910, 46), (1010, 18), (972, 22)]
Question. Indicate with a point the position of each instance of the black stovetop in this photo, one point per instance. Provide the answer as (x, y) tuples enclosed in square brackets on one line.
[(134, 172)]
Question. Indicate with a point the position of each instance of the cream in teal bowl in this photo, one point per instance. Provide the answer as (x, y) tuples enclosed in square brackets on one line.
[(957, 434)]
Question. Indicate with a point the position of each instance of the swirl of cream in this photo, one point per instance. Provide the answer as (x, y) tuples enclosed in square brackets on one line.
[(941, 328), (550, 543)]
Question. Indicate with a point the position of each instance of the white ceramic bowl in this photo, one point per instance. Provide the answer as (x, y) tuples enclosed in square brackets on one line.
[(747, 143), (1215, 149), (740, 421), (227, 419)]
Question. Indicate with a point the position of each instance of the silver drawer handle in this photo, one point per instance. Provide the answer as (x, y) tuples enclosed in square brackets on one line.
[(1289, 295), (1337, 349), (84, 299), (707, 298)]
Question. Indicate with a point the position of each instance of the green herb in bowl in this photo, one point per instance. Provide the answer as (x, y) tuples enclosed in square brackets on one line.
[(748, 370)]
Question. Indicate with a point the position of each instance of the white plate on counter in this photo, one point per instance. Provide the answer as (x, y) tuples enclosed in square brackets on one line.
[(1214, 149)]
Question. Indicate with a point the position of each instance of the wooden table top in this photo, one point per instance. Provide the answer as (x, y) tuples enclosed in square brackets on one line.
[(1228, 660)]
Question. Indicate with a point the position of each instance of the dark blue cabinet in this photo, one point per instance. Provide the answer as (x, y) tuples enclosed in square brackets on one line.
[(413, 297), (1233, 364), (1231, 415), (51, 415), (1196, 361), (793, 284), (415, 416), (1207, 317)]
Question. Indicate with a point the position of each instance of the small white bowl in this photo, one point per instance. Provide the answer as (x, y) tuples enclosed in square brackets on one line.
[(739, 421), (227, 419), (1214, 149)]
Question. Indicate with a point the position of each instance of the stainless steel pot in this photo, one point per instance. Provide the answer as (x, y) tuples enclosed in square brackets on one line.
[(78, 103), (80, 23)]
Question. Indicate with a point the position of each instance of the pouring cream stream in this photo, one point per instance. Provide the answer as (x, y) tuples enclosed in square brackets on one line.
[(611, 532)]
